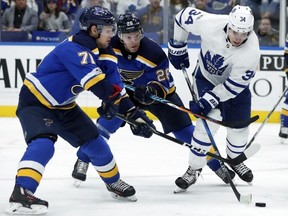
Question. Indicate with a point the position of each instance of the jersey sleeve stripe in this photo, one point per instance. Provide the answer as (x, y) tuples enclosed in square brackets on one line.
[(146, 61), (236, 84), (117, 51), (229, 89), (96, 51), (39, 91), (179, 23), (94, 80), (108, 57)]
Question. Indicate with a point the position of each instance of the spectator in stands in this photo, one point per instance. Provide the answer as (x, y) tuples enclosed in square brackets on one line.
[(69, 7), (267, 35), (52, 19), (20, 17), (33, 5), (125, 6), (175, 7), (151, 18), (4, 5), (40, 4), (111, 5), (271, 10), (200, 4)]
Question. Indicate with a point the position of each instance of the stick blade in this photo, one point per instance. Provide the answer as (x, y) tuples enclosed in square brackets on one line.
[(245, 199), (240, 124), (251, 150)]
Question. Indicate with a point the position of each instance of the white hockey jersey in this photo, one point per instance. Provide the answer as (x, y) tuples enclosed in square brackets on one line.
[(229, 68)]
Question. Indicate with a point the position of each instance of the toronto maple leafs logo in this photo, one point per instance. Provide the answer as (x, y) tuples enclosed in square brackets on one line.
[(213, 64)]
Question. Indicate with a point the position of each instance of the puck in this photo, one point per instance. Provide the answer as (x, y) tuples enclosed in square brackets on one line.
[(260, 204)]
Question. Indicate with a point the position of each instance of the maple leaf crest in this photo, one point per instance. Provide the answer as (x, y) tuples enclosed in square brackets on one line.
[(214, 65)]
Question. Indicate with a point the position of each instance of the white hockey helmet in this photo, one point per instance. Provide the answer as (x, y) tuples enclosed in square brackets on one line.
[(241, 19)]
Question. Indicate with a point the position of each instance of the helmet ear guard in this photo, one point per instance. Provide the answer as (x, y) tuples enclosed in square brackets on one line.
[(241, 19)]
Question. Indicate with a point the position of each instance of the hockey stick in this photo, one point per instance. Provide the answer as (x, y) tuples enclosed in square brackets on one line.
[(267, 117), (238, 124), (249, 151), (241, 198)]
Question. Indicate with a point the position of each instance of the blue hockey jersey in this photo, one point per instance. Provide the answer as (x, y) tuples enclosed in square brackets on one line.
[(149, 63), (71, 68)]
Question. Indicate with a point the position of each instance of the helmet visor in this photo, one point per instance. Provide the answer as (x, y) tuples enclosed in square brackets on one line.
[(107, 30)]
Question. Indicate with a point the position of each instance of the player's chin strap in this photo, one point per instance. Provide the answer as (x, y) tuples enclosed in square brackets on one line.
[(234, 124), (235, 161), (241, 198)]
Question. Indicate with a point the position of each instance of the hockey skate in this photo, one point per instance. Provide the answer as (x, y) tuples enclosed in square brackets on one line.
[(243, 172), (122, 191), (79, 172), (221, 173), (189, 178), (283, 134), (23, 202)]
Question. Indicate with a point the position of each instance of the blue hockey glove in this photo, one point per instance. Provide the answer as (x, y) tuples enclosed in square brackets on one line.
[(208, 102), (109, 108), (141, 94), (145, 124), (178, 54)]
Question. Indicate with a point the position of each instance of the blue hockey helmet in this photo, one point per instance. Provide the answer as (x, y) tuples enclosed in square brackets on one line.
[(129, 22), (97, 15)]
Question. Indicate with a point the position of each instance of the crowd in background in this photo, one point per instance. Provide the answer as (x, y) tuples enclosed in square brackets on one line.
[(34, 16)]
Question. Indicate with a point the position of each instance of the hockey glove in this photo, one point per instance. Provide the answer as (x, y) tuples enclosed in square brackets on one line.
[(208, 102), (178, 54), (110, 106), (145, 124), (142, 92)]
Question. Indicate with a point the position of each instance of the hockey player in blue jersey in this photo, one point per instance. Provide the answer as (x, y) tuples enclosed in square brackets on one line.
[(47, 108), (143, 64), (226, 64), (283, 133)]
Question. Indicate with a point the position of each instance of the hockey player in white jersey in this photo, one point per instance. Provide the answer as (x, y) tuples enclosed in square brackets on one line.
[(225, 66)]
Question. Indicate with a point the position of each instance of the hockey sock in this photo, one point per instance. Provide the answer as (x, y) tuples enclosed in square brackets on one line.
[(33, 162), (82, 156), (102, 159)]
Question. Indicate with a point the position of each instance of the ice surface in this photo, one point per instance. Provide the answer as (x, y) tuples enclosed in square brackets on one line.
[(151, 166)]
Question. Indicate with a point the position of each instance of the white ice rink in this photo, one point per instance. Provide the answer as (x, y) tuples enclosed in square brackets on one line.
[(151, 166)]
